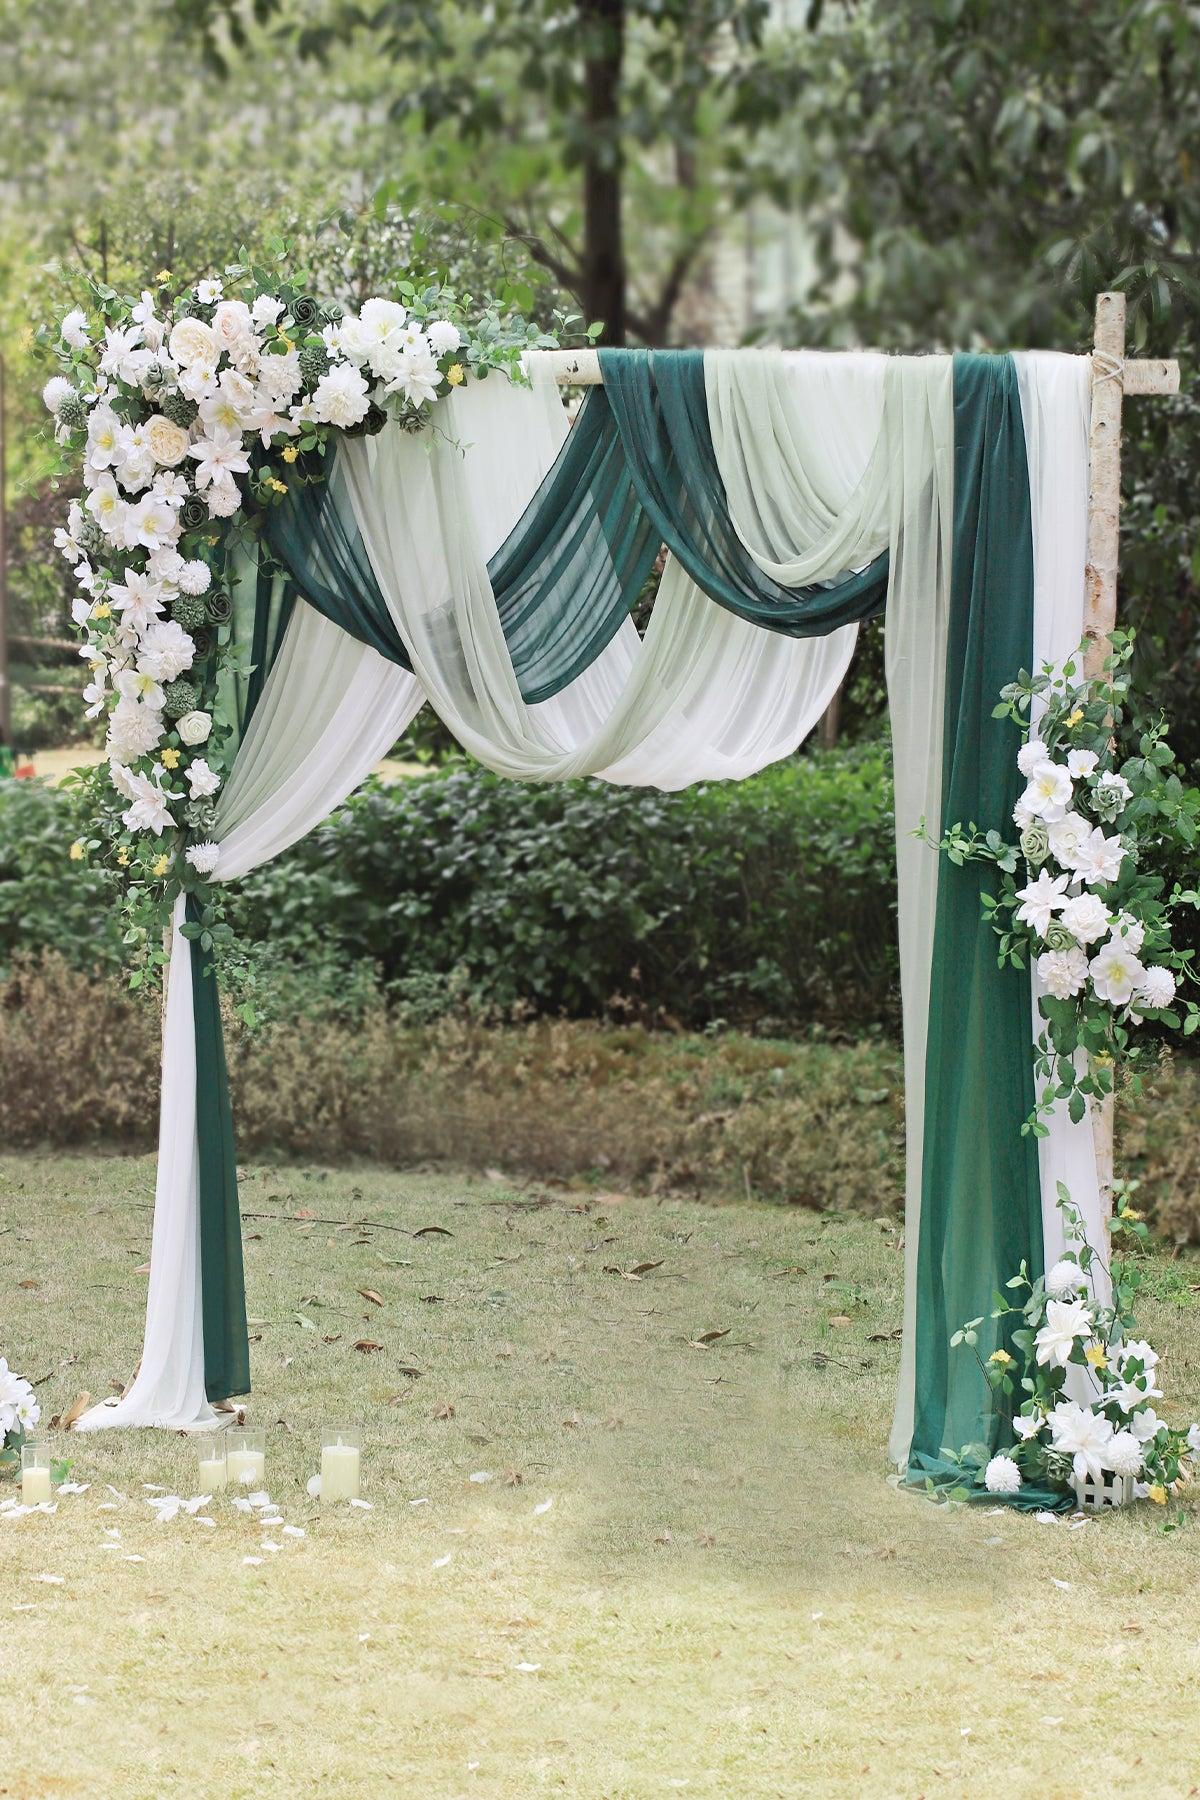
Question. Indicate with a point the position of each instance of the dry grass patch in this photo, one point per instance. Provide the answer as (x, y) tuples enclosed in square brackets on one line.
[(725, 1598)]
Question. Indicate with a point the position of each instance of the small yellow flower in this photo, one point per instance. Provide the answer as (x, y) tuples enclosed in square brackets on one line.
[(1000, 1356), (1103, 1059), (163, 276), (287, 342), (456, 375), (161, 865), (76, 850), (290, 454), (102, 610), (1074, 719), (1158, 1494), (1097, 1356), (279, 487), (1131, 1213), (123, 856), (170, 758)]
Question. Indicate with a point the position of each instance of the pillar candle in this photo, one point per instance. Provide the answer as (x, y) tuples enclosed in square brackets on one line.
[(35, 1485), (247, 1468), (339, 1472), (213, 1474)]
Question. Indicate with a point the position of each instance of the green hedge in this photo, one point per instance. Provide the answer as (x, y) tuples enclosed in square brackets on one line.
[(768, 902)]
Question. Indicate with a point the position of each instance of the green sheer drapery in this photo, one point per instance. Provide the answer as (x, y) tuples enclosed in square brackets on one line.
[(981, 1192)]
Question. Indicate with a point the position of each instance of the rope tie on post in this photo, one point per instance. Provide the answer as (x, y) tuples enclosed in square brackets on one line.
[(1107, 367)]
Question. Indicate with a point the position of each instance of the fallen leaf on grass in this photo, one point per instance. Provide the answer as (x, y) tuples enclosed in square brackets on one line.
[(708, 1337), (841, 1320), (433, 1231), (75, 1411), (372, 1296), (304, 1324), (27, 1284), (142, 1269), (366, 1345), (635, 1273), (444, 1410)]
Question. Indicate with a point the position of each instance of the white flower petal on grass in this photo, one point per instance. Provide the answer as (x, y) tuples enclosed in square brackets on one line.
[(74, 1487), (421, 1502), (49, 1580), (364, 1505), (314, 1486), (132, 1558), (441, 1561), (543, 1506), (1064, 1585), (296, 1531), (252, 1562), (271, 1545), (481, 1475), (1046, 1518), (527, 1668)]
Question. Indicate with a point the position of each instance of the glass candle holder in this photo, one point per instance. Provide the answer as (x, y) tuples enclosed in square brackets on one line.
[(246, 1459), (35, 1472), (214, 1465), (341, 1462)]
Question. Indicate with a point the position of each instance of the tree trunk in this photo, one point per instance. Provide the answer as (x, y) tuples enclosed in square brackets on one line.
[(603, 25)]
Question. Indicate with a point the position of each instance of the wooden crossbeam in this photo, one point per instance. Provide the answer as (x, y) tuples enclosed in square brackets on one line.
[(1113, 376)]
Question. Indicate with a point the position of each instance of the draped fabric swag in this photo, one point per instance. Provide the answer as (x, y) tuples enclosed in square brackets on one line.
[(490, 567)]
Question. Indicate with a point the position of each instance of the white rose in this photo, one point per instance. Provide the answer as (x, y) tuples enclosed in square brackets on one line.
[(202, 781), (1086, 917), (168, 442), (194, 728), (231, 324), (192, 341)]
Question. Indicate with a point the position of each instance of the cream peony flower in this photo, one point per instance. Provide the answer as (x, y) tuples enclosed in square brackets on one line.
[(166, 651), (168, 442), (340, 397), (192, 341), (194, 728), (1063, 973), (1066, 836), (232, 325), (1002, 1476)]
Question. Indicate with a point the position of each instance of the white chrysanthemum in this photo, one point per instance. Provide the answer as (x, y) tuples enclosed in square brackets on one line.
[(1116, 973), (1157, 986), (1066, 1322), (1002, 1476), (194, 577), (1081, 762), (1040, 900), (1083, 1435), (443, 336), (1086, 917), (266, 310), (1066, 837), (202, 780), (1048, 795), (1030, 755), (168, 442), (194, 728), (167, 651), (1063, 973), (279, 376), (192, 341), (133, 730), (224, 499), (74, 328), (1066, 1277), (203, 857), (1123, 1454), (56, 390), (341, 396)]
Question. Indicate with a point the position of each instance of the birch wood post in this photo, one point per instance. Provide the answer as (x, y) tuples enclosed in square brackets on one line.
[(1100, 592)]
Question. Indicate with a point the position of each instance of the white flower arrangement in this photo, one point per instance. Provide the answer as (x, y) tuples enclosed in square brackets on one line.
[(1078, 895), (189, 415), (19, 1413), (1115, 1429)]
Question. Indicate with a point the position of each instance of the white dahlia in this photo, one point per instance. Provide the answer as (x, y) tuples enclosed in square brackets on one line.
[(1002, 1476)]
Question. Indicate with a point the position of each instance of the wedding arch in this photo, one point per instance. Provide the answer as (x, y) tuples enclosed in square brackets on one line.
[(423, 535)]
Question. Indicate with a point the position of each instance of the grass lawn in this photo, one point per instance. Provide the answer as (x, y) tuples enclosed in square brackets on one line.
[(725, 1598)]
